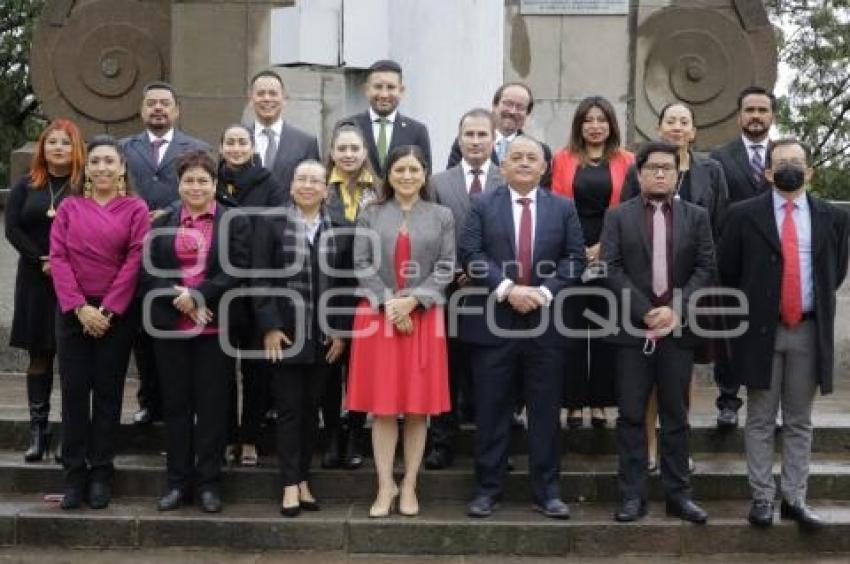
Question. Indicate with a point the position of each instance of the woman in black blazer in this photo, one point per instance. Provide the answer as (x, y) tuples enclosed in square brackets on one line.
[(182, 294), (244, 183), (292, 251), (702, 182)]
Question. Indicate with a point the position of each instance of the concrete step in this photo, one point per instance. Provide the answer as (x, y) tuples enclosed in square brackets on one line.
[(14, 435), (441, 529), (583, 478)]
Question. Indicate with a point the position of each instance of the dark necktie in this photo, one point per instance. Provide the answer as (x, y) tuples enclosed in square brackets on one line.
[(156, 145), (271, 148), (475, 187), (791, 301), (524, 247), (757, 164)]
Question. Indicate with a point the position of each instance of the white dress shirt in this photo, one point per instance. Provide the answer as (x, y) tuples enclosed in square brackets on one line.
[(168, 137), (261, 142), (803, 222), (376, 127), (468, 176)]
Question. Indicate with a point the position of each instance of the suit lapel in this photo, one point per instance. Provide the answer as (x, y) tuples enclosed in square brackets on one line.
[(143, 147), (742, 157), (635, 214), (765, 221), (819, 222), (699, 180), (365, 122), (494, 178), (398, 132), (679, 212), (507, 219), (543, 210), (172, 150), (458, 189)]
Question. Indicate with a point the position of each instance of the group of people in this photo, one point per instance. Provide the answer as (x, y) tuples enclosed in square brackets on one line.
[(518, 279)]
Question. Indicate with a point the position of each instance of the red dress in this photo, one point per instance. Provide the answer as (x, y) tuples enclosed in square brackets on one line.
[(390, 373)]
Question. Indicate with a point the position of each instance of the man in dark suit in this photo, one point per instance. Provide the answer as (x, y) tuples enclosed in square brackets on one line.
[(657, 251), (512, 104), (521, 246), (382, 124), (281, 146), (152, 165), (786, 250), (743, 160), (453, 188)]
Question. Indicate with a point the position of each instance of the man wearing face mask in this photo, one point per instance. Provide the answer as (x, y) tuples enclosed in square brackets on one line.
[(743, 160), (768, 248), (658, 252)]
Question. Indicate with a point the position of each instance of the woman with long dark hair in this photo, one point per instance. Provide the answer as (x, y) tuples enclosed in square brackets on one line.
[(95, 256), (57, 165), (404, 257), (591, 171)]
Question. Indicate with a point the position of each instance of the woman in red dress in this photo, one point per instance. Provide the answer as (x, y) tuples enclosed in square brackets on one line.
[(404, 255)]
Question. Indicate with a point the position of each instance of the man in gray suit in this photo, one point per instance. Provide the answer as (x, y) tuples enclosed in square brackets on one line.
[(281, 146), (453, 188), (152, 157)]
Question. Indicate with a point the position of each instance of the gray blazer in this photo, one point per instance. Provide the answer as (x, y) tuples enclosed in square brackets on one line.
[(448, 188), (432, 250)]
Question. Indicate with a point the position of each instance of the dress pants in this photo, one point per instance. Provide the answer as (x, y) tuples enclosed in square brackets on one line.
[(494, 371), (148, 394), (444, 427), (793, 385), (591, 375), (297, 391), (92, 374), (331, 401), (669, 370), (256, 391), (195, 375)]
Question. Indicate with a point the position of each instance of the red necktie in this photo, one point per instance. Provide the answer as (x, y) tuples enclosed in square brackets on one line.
[(475, 187), (791, 302), (524, 247)]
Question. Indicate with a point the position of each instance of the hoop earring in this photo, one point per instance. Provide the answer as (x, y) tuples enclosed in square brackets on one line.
[(87, 188), (122, 186)]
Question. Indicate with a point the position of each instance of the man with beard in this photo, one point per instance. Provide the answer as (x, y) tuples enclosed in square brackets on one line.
[(152, 157), (743, 161), (281, 146), (512, 104), (382, 124), (768, 249), (658, 252)]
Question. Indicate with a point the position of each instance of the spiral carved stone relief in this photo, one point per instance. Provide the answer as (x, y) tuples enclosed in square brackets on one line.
[(704, 57), (91, 60)]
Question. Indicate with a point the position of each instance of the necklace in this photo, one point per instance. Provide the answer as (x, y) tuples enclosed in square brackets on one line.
[(51, 211)]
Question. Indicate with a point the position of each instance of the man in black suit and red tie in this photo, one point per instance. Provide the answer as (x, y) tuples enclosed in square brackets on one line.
[(786, 250), (743, 160), (521, 246), (657, 251), (383, 125)]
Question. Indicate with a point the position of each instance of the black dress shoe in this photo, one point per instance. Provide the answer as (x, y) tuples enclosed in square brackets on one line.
[(352, 459), (761, 513), (481, 506), (510, 465), (598, 422), (310, 505), (574, 422), (171, 500), (331, 458), (100, 494), (438, 459), (553, 508), (803, 514), (631, 510), (210, 502), (293, 511), (727, 418), (686, 510), (72, 499)]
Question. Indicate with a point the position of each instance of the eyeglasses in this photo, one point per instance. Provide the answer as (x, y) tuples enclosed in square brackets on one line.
[(656, 168)]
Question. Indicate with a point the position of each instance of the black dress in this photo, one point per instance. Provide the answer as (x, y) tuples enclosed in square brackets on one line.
[(590, 377), (28, 230)]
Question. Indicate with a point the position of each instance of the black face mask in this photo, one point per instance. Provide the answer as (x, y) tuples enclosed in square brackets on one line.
[(789, 178)]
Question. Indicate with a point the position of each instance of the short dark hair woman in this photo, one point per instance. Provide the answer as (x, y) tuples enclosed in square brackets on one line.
[(57, 165), (95, 254), (188, 259)]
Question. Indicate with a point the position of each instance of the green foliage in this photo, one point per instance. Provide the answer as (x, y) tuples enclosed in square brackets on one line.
[(19, 120), (814, 41)]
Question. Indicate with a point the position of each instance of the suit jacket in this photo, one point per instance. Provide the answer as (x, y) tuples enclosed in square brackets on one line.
[(488, 254), (627, 253), (708, 187), (736, 165), (546, 182), (406, 131), (448, 188), (272, 251), (216, 282), (432, 251), (156, 184), (750, 258), (293, 147)]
